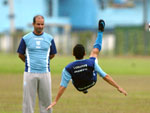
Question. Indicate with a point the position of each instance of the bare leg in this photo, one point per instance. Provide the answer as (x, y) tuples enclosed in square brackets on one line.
[(94, 52)]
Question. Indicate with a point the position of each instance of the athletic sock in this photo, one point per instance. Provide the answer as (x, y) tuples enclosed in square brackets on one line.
[(98, 42)]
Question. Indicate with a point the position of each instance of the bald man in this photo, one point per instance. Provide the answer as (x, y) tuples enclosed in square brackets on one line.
[(36, 49)]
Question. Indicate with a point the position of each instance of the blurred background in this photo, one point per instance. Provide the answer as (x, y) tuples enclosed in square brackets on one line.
[(76, 21), (125, 53)]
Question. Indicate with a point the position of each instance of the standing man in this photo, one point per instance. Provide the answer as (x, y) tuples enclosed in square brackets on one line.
[(83, 72), (36, 49)]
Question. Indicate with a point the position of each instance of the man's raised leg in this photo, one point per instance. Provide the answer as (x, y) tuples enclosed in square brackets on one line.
[(98, 43)]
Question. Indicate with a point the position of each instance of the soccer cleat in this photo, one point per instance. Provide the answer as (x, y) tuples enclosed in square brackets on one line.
[(101, 25), (85, 91)]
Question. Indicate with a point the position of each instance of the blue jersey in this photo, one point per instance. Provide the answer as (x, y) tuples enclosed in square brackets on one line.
[(83, 73), (37, 49)]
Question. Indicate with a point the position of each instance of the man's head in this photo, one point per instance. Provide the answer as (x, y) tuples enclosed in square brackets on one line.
[(79, 51), (38, 23)]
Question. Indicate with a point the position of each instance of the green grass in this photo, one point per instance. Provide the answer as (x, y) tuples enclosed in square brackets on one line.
[(130, 72), (102, 98), (11, 64), (126, 65)]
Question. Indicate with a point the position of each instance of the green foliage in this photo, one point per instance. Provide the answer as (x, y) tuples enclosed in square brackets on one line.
[(1, 34), (16, 39), (85, 39), (132, 41)]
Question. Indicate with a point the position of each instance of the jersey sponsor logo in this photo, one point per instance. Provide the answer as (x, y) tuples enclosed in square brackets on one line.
[(81, 66), (81, 70), (38, 43), (38, 38), (88, 86)]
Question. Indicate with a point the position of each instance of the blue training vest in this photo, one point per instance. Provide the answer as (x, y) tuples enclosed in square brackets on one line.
[(82, 73)]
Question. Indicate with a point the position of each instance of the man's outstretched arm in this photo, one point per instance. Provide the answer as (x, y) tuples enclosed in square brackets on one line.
[(59, 94), (63, 85), (108, 79)]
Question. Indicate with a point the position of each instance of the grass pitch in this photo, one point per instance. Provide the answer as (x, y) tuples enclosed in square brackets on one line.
[(102, 98), (132, 73), (11, 64)]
